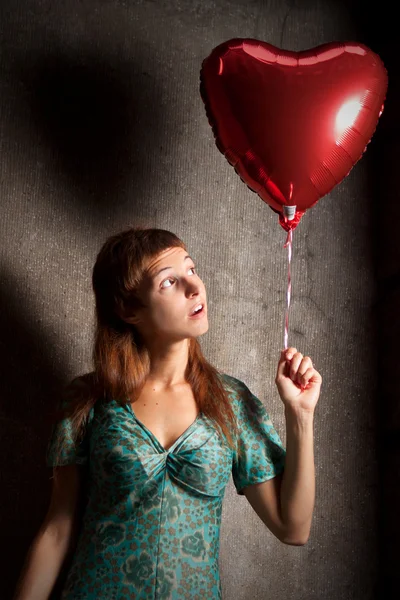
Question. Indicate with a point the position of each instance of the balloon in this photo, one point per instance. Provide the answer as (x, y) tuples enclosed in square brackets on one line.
[(293, 124)]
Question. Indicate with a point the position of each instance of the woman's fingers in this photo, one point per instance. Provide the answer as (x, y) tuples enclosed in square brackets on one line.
[(298, 364)]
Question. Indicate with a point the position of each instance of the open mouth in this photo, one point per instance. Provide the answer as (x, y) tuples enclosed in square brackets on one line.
[(197, 313)]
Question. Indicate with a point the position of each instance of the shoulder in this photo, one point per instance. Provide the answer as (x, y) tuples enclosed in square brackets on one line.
[(78, 391), (243, 400), (231, 383), (81, 384), (237, 390)]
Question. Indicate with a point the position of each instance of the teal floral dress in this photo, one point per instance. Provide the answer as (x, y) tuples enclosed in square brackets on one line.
[(151, 523)]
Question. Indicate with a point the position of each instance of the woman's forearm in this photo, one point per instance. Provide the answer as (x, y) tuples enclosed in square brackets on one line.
[(298, 483), (42, 566)]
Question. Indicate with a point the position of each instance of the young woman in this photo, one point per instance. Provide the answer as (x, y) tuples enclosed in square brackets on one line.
[(144, 445)]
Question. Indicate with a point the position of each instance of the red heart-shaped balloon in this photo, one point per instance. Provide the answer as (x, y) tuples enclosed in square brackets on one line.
[(292, 124)]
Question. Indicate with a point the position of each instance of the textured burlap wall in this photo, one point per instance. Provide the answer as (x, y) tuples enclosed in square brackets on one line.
[(102, 126)]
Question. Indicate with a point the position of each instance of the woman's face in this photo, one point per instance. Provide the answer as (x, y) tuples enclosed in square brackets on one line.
[(171, 291)]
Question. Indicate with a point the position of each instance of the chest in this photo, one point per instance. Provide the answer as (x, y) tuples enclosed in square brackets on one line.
[(166, 414)]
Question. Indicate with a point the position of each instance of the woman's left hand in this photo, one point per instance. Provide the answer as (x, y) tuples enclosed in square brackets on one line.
[(298, 383)]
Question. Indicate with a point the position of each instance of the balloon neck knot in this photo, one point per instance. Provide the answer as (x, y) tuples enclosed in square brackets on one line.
[(289, 211)]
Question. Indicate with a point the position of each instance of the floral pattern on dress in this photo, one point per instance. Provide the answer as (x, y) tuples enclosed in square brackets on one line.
[(152, 519)]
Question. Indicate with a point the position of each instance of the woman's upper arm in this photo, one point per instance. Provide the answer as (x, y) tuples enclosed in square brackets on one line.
[(63, 514), (265, 499)]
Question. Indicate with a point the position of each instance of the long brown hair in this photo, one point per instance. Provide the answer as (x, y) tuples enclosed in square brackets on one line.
[(120, 358)]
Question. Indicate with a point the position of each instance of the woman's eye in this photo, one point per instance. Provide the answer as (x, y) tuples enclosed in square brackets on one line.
[(172, 279)]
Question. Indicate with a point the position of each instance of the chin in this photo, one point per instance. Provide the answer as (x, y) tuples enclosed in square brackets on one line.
[(204, 330), (200, 331)]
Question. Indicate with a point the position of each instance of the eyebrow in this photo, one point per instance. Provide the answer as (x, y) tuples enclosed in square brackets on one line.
[(165, 268)]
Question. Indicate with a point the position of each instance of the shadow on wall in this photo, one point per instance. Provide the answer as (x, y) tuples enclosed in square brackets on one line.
[(29, 382), (92, 116), (92, 113), (378, 28)]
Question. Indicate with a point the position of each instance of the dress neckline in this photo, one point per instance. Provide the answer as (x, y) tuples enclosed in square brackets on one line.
[(153, 436)]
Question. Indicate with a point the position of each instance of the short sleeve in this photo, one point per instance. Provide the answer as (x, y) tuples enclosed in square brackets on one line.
[(262, 452), (62, 448)]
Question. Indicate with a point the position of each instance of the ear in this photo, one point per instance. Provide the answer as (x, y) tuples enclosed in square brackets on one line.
[(133, 318)]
